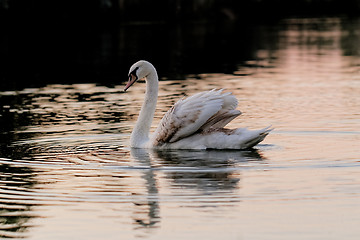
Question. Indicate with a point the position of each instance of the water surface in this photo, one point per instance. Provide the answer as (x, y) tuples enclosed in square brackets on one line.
[(66, 170)]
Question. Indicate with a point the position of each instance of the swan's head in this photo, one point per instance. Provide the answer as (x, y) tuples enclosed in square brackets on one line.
[(139, 70)]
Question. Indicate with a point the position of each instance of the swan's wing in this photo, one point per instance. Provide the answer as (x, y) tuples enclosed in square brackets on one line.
[(200, 111), (220, 119), (225, 115)]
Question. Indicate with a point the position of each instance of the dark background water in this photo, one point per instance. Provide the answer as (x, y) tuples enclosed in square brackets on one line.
[(45, 42)]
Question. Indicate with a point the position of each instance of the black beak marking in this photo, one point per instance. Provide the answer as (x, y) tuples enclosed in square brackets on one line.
[(134, 74)]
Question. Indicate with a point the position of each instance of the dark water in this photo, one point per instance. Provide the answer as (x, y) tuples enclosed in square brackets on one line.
[(66, 170), (35, 55)]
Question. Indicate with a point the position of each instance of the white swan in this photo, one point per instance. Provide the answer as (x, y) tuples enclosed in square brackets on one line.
[(196, 122)]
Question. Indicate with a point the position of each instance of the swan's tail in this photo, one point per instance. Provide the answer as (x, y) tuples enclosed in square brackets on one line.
[(257, 136)]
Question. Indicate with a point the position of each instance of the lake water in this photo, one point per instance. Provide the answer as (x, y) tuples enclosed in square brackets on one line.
[(66, 171)]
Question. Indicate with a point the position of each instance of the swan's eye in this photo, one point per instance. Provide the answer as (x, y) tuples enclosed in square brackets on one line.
[(133, 72), (133, 76)]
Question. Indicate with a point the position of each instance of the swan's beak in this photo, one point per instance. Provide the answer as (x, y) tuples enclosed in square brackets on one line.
[(132, 80)]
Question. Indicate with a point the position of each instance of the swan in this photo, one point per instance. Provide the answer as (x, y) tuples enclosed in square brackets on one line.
[(195, 122)]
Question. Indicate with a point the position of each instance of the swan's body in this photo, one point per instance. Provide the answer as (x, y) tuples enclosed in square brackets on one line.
[(196, 122)]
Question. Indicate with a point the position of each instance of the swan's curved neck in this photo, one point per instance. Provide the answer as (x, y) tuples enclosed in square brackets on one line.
[(140, 133)]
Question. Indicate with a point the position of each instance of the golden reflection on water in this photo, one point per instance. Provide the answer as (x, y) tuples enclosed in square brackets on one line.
[(301, 183)]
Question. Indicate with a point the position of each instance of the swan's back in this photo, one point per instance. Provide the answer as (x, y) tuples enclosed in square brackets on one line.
[(204, 111)]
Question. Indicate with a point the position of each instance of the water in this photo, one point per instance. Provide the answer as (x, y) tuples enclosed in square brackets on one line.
[(66, 170)]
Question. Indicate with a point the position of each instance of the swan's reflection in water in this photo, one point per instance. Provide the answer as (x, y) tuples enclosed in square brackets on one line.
[(147, 211), (141, 188), (212, 170), (213, 173)]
